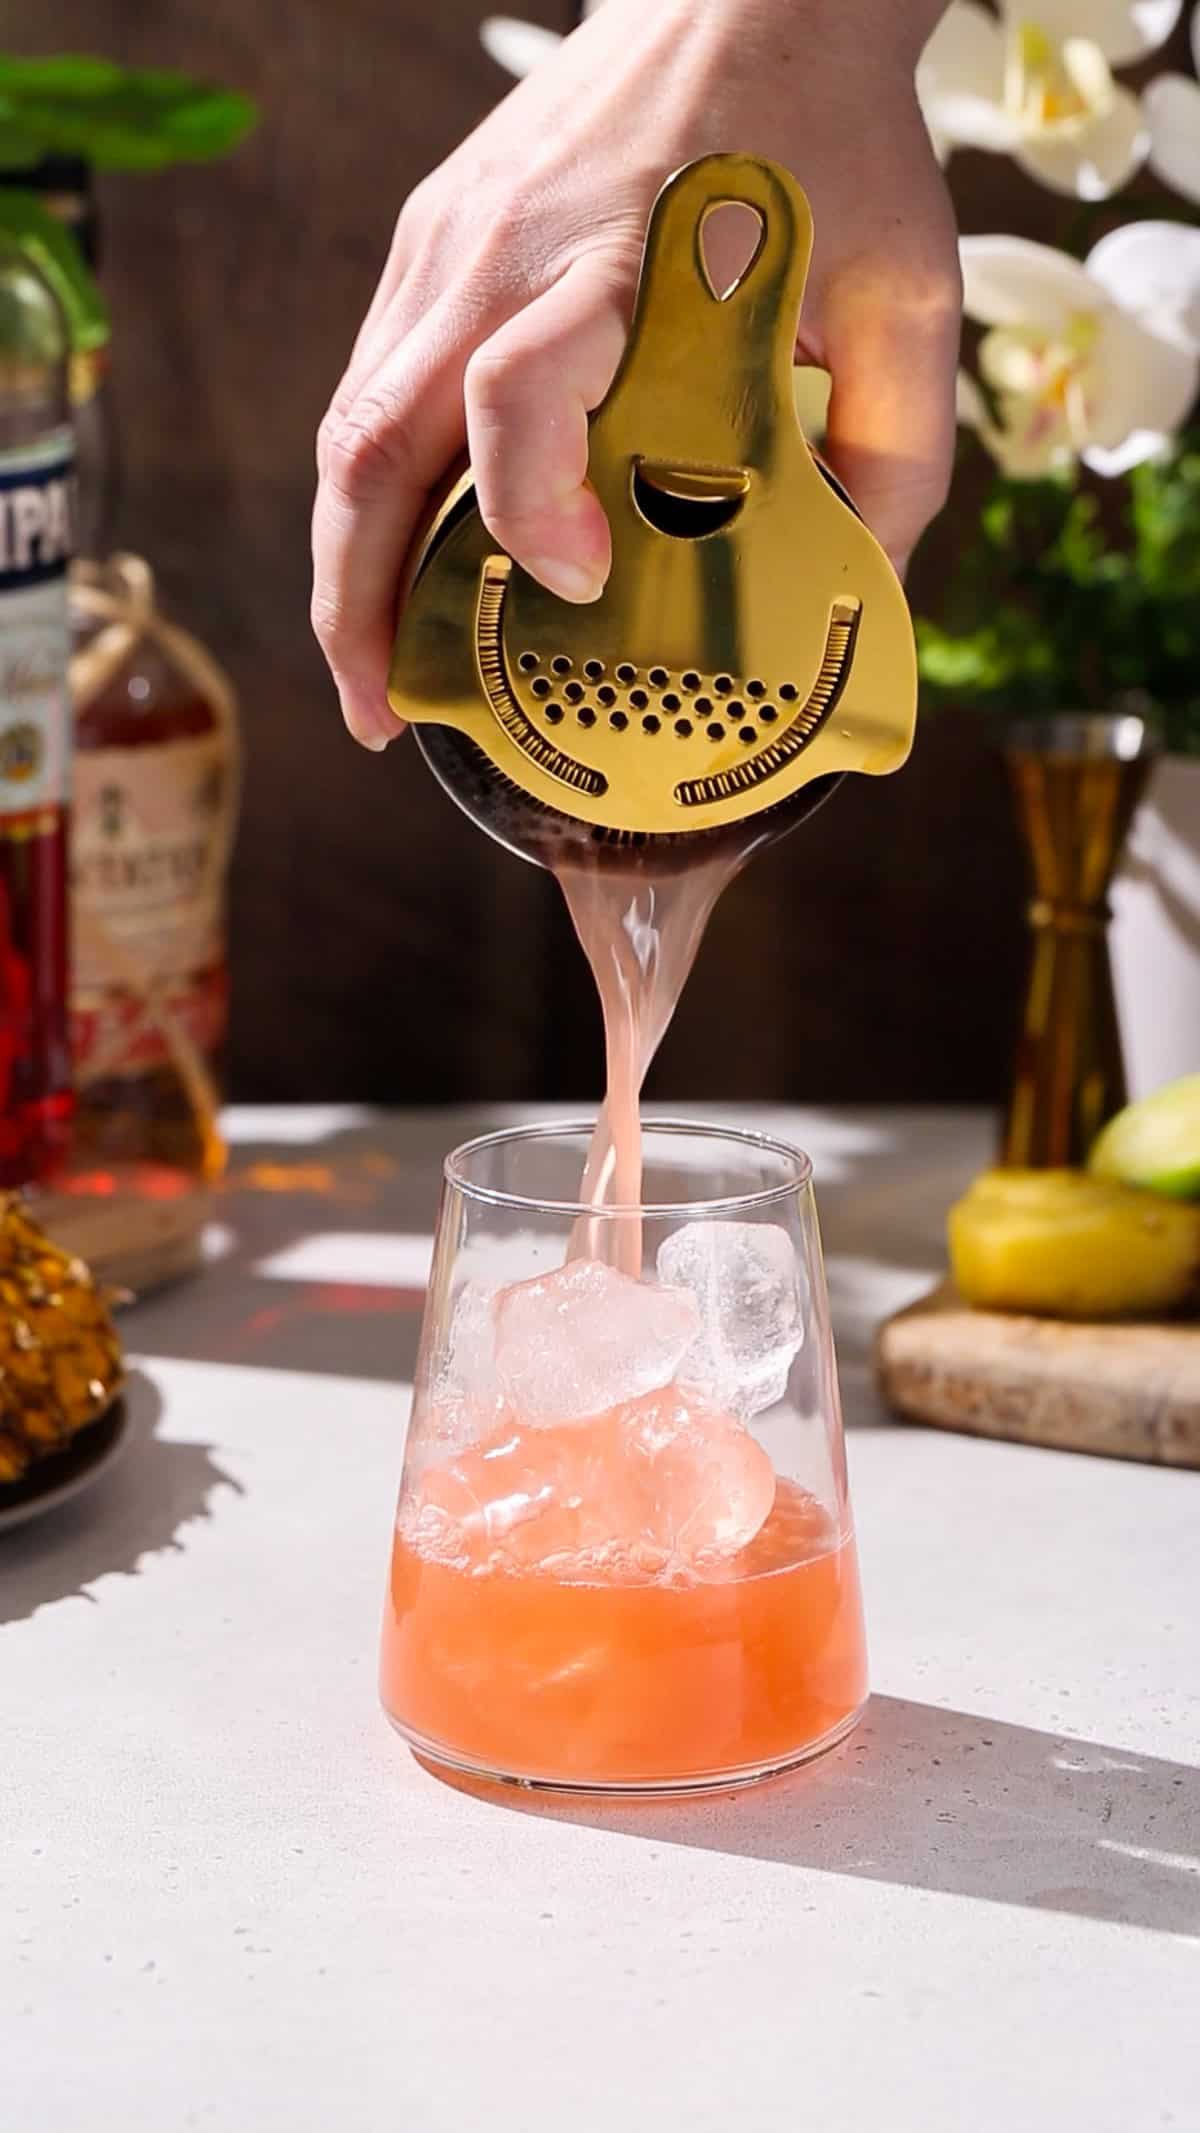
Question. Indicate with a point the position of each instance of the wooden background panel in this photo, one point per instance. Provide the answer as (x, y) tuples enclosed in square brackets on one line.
[(381, 948)]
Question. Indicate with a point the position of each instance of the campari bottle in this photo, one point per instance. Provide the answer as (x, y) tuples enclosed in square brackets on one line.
[(36, 481)]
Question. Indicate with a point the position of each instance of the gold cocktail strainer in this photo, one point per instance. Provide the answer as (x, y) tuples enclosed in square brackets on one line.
[(752, 639)]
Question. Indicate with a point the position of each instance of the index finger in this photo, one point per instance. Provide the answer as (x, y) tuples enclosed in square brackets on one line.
[(380, 456)]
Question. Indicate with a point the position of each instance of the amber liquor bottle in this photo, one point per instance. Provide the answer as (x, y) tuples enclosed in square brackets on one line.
[(156, 779)]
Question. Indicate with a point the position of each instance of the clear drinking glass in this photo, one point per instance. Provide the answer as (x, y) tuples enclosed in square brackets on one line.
[(624, 1559)]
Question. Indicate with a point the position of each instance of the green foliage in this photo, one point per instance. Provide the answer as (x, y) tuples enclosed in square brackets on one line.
[(114, 117), (1060, 604)]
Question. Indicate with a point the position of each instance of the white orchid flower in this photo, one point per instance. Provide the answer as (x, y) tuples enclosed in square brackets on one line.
[(1173, 113), (1099, 361), (519, 46), (516, 46), (1035, 81)]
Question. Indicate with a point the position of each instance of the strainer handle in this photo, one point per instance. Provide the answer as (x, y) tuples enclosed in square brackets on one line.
[(755, 323)]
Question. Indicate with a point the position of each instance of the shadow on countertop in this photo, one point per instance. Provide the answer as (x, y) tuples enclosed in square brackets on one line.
[(137, 1508), (949, 1802), (339, 1190), (348, 1190)]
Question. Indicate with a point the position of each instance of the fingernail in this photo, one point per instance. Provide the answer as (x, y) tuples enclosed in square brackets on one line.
[(571, 581), (368, 737), (365, 726)]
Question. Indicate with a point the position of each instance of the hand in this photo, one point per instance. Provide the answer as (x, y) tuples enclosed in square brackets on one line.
[(502, 310)]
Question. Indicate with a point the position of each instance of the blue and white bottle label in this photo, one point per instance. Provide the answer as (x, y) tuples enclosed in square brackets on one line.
[(36, 516)]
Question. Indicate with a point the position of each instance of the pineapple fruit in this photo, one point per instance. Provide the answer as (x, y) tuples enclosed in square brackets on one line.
[(1063, 1244), (60, 1359)]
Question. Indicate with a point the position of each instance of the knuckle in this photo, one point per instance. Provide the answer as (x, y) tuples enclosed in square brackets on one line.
[(935, 289), (415, 211), (325, 617), (919, 284), (364, 446), (521, 227), (497, 381), (927, 275), (508, 521), (507, 505), (330, 425)]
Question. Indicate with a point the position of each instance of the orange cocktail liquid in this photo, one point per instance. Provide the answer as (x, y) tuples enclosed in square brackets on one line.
[(620, 1679)]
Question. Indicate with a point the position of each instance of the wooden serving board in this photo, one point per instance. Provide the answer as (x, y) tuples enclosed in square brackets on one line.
[(131, 1244), (1131, 1392)]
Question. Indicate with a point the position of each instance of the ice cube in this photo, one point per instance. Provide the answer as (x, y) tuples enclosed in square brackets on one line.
[(586, 1338), (464, 1402), (703, 1485), (660, 1486), (468, 1367), (749, 1291)]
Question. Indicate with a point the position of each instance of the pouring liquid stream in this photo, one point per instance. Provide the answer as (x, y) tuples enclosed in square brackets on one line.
[(640, 925)]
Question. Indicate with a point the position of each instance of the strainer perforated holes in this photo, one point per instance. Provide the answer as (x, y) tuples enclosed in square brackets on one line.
[(650, 724), (527, 662)]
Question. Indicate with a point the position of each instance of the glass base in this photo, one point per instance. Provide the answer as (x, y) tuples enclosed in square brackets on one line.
[(466, 1775)]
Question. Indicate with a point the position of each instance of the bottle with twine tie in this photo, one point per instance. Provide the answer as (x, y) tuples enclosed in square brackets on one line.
[(156, 787)]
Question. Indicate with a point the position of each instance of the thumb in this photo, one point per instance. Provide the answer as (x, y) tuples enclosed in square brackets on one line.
[(529, 391)]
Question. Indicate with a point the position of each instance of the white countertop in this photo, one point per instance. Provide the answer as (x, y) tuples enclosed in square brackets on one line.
[(234, 1902)]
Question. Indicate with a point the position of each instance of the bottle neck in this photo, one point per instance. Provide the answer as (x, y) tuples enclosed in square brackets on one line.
[(34, 361), (65, 188)]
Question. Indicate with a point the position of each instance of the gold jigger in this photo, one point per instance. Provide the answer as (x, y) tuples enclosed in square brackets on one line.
[(1077, 781)]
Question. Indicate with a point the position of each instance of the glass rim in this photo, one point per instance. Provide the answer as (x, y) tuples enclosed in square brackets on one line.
[(695, 1129)]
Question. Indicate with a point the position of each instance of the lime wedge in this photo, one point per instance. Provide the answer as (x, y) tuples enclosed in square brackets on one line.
[(1155, 1143)]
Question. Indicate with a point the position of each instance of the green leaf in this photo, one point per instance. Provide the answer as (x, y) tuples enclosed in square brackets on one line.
[(18, 150), (1077, 597), (1006, 663), (58, 258), (75, 104)]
